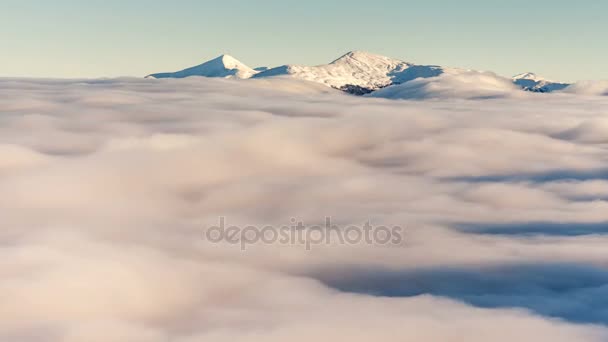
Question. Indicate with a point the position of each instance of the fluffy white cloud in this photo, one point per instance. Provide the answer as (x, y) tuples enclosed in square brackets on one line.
[(106, 187), (589, 88), (466, 84)]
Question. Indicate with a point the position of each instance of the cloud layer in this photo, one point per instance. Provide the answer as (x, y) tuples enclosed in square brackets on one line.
[(599, 88), (471, 85), (106, 187)]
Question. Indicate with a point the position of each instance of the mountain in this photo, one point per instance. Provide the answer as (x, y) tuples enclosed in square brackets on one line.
[(362, 73), (224, 66), (355, 69), (358, 72), (532, 82)]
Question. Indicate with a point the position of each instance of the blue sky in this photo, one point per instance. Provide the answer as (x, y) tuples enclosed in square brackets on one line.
[(69, 38)]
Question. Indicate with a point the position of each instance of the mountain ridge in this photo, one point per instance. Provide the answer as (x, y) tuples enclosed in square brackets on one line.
[(356, 72)]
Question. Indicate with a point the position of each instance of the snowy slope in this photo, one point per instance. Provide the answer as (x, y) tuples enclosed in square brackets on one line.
[(532, 82), (223, 66)]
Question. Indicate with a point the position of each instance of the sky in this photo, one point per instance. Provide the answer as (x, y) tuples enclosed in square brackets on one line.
[(563, 40)]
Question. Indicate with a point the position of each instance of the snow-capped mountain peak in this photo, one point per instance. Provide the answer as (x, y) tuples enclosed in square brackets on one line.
[(367, 58), (356, 71), (224, 66), (532, 82), (229, 61), (528, 76)]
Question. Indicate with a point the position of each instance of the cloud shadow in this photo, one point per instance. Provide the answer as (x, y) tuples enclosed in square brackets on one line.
[(570, 292)]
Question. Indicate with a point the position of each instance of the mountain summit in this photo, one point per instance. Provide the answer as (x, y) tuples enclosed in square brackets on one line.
[(356, 71), (532, 82), (224, 66)]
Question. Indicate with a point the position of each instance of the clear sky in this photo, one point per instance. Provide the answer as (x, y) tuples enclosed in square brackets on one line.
[(565, 40)]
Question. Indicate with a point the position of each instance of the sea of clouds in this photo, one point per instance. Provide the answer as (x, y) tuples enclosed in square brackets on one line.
[(106, 187)]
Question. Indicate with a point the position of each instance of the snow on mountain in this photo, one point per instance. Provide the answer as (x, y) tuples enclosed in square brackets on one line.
[(356, 69), (456, 84), (532, 82), (223, 66), (357, 72), (362, 73)]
